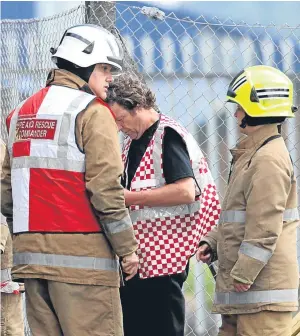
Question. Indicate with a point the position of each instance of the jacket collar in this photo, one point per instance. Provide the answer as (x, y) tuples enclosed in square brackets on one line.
[(256, 139), (68, 79), (252, 142)]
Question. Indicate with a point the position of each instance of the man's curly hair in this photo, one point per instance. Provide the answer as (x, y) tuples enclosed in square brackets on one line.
[(128, 91)]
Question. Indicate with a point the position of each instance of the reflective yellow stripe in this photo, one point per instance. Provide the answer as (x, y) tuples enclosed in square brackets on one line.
[(57, 260), (252, 297)]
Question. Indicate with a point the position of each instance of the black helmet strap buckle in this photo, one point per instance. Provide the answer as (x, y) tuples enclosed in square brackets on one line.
[(244, 122)]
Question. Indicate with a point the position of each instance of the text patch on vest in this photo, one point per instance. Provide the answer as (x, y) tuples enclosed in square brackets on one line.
[(27, 129)]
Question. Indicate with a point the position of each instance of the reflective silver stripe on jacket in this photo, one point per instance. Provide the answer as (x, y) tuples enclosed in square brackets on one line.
[(161, 212), (56, 260), (239, 216), (252, 297), (255, 252), (157, 155), (6, 274), (48, 163), (118, 226), (79, 103)]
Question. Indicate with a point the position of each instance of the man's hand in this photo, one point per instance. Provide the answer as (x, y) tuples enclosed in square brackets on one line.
[(130, 265), (204, 253), (240, 287), (129, 197)]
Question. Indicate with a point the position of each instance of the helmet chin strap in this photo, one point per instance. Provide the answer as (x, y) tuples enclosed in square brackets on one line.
[(243, 123)]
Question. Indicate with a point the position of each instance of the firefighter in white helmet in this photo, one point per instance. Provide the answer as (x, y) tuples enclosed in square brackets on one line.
[(61, 188), (255, 241)]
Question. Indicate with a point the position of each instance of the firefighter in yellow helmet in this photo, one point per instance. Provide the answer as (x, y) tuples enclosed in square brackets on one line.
[(255, 241)]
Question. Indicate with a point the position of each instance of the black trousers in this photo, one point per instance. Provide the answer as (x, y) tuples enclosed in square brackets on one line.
[(154, 306)]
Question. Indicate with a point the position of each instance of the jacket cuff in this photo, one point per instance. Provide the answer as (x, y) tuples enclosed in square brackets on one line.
[(210, 241), (121, 236), (250, 262)]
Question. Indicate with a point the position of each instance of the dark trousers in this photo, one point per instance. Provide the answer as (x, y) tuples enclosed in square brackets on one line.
[(154, 306)]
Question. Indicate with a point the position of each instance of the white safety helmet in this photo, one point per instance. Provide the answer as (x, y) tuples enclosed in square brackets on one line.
[(87, 44)]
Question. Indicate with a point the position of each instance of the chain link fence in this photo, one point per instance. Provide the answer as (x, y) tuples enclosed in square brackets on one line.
[(188, 63)]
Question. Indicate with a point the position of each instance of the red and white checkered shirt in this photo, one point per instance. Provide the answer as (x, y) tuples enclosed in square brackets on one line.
[(169, 236)]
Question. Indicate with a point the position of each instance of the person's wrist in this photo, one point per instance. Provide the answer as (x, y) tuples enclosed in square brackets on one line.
[(128, 256)]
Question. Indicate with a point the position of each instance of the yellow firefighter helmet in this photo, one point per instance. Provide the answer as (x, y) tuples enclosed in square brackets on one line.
[(263, 91)]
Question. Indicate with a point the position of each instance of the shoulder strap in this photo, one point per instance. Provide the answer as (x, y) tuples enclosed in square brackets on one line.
[(273, 137), (230, 171)]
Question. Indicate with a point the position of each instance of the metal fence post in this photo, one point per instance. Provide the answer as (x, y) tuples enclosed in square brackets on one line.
[(101, 12)]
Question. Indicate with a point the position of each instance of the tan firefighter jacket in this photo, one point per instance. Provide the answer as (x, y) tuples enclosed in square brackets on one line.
[(81, 258), (255, 240), (6, 241)]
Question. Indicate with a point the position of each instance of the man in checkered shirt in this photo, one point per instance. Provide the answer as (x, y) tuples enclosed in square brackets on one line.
[(172, 201)]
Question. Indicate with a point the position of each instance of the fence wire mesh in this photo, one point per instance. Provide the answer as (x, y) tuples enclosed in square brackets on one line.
[(188, 63)]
